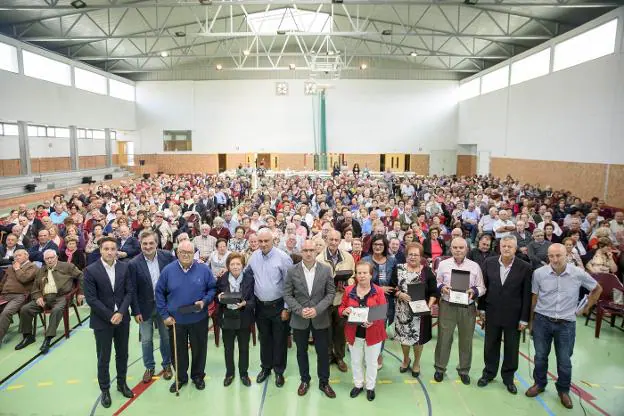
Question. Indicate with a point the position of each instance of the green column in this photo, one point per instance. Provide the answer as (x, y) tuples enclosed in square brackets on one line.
[(323, 132)]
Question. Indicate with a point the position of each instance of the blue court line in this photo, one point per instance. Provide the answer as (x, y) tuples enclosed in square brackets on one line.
[(523, 381), (264, 392), (40, 358), (422, 385)]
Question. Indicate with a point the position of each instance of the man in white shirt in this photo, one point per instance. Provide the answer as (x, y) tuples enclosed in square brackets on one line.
[(309, 292), (547, 218), (503, 226)]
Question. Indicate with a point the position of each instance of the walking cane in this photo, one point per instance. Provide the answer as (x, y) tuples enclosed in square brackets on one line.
[(175, 354)]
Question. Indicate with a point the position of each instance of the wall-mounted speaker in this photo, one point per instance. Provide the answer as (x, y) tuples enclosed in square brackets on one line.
[(108, 177), (146, 176), (30, 187), (87, 179)]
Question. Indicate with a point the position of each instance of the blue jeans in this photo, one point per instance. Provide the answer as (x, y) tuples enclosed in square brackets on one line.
[(563, 333), (146, 328)]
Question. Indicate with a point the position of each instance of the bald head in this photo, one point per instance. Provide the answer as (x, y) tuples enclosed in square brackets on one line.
[(459, 247), (557, 257), (265, 238), (186, 251)]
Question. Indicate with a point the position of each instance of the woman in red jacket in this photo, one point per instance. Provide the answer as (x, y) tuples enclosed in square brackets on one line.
[(364, 339)]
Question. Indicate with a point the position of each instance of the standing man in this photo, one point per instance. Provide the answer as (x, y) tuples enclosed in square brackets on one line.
[(338, 260), (55, 280), (182, 284), (309, 292), (15, 288), (145, 271), (555, 290), (508, 304), (108, 290), (453, 315), (269, 266)]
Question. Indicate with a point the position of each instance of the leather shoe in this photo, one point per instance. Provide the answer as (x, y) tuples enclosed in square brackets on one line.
[(279, 380), (465, 378), (28, 339), (303, 388), (263, 375), (566, 401), (483, 381), (147, 375), (45, 347), (511, 388), (534, 390), (326, 388), (106, 399), (167, 373), (415, 374), (125, 390), (200, 384), (404, 369), (355, 391), (228, 380), (370, 395), (438, 376), (246, 381), (172, 388), (342, 366)]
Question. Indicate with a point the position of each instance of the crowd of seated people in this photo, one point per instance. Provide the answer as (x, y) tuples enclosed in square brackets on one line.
[(365, 217)]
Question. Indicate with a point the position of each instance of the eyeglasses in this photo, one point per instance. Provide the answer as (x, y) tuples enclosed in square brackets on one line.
[(263, 241), (185, 252), (413, 255), (308, 250)]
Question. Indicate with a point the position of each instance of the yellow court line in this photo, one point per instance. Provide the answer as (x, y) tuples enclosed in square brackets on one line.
[(619, 387), (334, 381), (384, 381), (45, 384), (73, 381), (15, 387), (410, 381)]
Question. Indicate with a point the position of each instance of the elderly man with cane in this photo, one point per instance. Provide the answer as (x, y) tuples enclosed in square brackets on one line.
[(183, 292)]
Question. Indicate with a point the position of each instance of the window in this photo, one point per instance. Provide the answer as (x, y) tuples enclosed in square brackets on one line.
[(592, 44), (121, 90), (32, 131), (50, 132), (469, 89), (289, 20), (8, 130), (89, 134), (62, 133), (177, 140), (82, 133), (495, 80), (8, 58), (90, 81), (98, 134), (47, 69), (113, 135), (530, 67)]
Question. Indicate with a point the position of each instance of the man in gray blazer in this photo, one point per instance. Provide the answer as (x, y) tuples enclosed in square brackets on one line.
[(309, 292)]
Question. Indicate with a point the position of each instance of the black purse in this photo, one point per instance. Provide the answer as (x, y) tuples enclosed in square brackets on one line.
[(231, 319)]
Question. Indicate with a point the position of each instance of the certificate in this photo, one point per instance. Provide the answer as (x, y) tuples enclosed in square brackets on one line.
[(419, 307), (460, 298), (358, 315)]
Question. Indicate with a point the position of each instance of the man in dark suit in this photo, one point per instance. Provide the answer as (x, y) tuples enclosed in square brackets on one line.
[(34, 224), (144, 271), (35, 253), (8, 250), (309, 293), (507, 303), (108, 291), (128, 245)]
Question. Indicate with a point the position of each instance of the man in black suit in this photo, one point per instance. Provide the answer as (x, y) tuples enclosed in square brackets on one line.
[(144, 271), (8, 250), (35, 253), (507, 303), (34, 223), (309, 292), (128, 245), (108, 289)]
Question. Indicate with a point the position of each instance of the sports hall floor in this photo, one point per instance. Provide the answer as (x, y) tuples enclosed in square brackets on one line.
[(63, 383)]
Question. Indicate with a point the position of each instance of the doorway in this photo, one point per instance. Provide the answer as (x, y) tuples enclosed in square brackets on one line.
[(264, 157), (222, 162), (395, 162), (125, 153)]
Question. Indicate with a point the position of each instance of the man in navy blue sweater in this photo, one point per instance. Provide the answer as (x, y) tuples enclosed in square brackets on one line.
[(182, 284)]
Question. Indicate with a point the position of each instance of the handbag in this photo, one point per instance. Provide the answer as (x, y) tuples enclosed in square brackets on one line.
[(231, 319)]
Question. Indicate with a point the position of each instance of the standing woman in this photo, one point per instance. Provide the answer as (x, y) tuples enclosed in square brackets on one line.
[(411, 330), (383, 268), (356, 170), (236, 320), (365, 339)]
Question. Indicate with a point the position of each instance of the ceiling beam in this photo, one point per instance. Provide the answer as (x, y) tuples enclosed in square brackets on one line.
[(289, 54)]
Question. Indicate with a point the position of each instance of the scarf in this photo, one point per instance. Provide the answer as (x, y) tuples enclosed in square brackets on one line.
[(235, 283)]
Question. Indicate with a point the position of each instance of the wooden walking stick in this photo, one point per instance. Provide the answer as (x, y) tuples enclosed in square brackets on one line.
[(175, 353)]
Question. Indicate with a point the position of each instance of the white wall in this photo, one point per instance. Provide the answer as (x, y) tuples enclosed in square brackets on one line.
[(10, 147), (48, 147), (576, 114), (247, 116), (42, 102), (94, 147)]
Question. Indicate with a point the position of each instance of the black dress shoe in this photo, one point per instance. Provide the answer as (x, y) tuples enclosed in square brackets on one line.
[(326, 388), (511, 388), (438, 376), (172, 388), (370, 395), (279, 380), (125, 390), (355, 391), (45, 347), (465, 378), (483, 381), (106, 399), (200, 384), (404, 369), (246, 381), (263, 375), (228, 380), (28, 339), (415, 374)]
